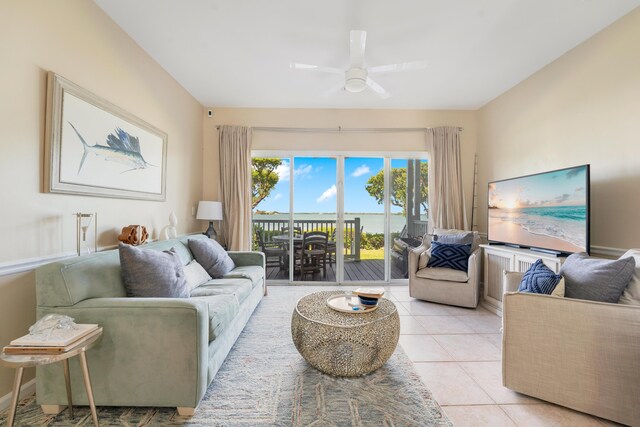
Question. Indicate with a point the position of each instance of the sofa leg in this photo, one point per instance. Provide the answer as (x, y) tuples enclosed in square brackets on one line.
[(184, 411), (52, 409)]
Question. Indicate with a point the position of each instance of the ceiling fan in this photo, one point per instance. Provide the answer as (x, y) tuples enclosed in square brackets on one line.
[(356, 77)]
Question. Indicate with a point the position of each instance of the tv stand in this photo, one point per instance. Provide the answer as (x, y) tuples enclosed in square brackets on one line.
[(501, 258)]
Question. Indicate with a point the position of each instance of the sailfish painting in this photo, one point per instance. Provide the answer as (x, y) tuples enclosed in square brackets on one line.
[(121, 148)]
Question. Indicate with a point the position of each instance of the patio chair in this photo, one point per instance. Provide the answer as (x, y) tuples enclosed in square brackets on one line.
[(331, 248), (312, 255), (297, 231), (274, 253)]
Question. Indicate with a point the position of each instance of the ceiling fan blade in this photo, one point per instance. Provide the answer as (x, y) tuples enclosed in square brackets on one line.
[(357, 43), (333, 90), (298, 66), (377, 89), (392, 68)]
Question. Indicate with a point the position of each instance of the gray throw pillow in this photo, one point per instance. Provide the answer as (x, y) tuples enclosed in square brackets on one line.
[(148, 273), (195, 274), (596, 279), (457, 239), (211, 256)]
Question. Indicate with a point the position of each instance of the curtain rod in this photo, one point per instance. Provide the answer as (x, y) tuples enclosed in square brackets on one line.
[(340, 129)]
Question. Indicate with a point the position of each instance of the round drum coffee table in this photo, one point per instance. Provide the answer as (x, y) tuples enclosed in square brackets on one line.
[(344, 344)]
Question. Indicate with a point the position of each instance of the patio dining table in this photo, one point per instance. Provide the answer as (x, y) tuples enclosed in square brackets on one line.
[(297, 242)]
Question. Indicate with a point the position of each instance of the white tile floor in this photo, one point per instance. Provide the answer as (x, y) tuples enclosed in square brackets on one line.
[(457, 352)]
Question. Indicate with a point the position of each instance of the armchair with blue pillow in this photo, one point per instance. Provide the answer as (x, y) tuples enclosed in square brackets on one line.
[(446, 268)]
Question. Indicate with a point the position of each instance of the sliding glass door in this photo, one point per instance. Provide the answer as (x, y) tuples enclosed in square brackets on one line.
[(408, 211), (338, 218), (314, 219), (364, 219)]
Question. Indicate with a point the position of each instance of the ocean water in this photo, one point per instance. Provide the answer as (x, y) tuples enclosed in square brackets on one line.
[(567, 223), (371, 223)]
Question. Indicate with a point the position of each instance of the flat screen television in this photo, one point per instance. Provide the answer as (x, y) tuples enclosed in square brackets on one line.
[(548, 211)]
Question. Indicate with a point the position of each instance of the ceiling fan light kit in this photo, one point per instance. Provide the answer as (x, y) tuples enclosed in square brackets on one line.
[(355, 80), (356, 77)]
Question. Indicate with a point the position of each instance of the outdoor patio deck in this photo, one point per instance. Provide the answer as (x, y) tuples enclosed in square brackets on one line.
[(364, 270)]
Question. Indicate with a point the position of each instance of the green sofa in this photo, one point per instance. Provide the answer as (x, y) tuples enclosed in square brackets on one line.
[(154, 351)]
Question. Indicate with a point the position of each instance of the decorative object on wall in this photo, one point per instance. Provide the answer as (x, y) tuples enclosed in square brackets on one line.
[(170, 231), (83, 221), (96, 148), (209, 211), (134, 235)]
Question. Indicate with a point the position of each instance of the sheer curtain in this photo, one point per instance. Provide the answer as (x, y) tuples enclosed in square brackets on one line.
[(446, 196), (235, 183)]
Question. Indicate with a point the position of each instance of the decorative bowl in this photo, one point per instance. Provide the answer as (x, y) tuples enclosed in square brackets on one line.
[(368, 302)]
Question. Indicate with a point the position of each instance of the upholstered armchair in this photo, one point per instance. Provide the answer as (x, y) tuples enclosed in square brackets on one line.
[(445, 285)]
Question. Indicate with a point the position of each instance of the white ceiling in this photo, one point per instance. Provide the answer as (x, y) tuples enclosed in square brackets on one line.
[(236, 53)]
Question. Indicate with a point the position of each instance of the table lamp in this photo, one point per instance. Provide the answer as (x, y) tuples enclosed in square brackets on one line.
[(209, 211)]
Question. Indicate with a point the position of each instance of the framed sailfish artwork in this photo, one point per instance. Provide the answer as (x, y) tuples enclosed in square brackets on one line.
[(95, 148)]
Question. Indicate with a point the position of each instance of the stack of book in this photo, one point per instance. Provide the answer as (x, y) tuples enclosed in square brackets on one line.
[(60, 342)]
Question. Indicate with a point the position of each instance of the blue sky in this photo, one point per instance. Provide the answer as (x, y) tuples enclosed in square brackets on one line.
[(560, 188), (315, 190)]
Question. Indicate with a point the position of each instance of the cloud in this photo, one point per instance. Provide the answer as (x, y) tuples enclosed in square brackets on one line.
[(562, 198), (361, 170), (283, 171), (574, 172), (329, 193), (303, 170), (277, 196), (579, 189)]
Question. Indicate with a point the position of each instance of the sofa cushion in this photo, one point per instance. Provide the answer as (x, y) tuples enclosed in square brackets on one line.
[(452, 255), (211, 256), (255, 273), (443, 274), (240, 288), (222, 310), (539, 279), (631, 294), (152, 273), (558, 291), (195, 275), (596, 279)]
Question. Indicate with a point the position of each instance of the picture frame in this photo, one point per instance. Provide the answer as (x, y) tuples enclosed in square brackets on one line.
[(95, 148)]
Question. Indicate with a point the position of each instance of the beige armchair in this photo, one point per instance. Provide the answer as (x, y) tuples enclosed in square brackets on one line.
[(584, 355), (445, 285)]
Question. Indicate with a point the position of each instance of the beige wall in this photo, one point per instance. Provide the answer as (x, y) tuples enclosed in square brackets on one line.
[(75, 39), (317, 118), (582, 108)]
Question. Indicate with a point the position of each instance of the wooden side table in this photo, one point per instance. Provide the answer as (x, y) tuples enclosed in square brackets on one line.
[(21, 361)]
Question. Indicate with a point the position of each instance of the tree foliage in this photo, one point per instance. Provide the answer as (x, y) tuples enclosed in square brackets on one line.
[(375, 186), (263, 178)]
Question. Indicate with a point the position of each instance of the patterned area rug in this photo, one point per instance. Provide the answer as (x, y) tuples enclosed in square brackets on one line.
[(265, 382)]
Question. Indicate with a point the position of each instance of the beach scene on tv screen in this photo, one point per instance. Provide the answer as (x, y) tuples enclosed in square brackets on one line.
[(544, 211)]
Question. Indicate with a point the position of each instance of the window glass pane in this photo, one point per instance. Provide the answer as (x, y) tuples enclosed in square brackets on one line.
[(408, 219), (314, 218), (270, 198), (364, 219)]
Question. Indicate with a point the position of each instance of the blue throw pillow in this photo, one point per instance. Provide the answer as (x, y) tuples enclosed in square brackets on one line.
[(539, 279), (450, 255)]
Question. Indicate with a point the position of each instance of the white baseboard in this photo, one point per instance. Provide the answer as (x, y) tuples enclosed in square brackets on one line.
[(490, 307), (26, 390), (604, 251)]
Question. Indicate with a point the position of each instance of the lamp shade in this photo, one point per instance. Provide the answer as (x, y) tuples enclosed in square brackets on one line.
[(210, 211)]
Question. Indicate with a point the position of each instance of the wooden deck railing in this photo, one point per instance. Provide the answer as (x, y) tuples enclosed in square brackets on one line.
[(352, 231)]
